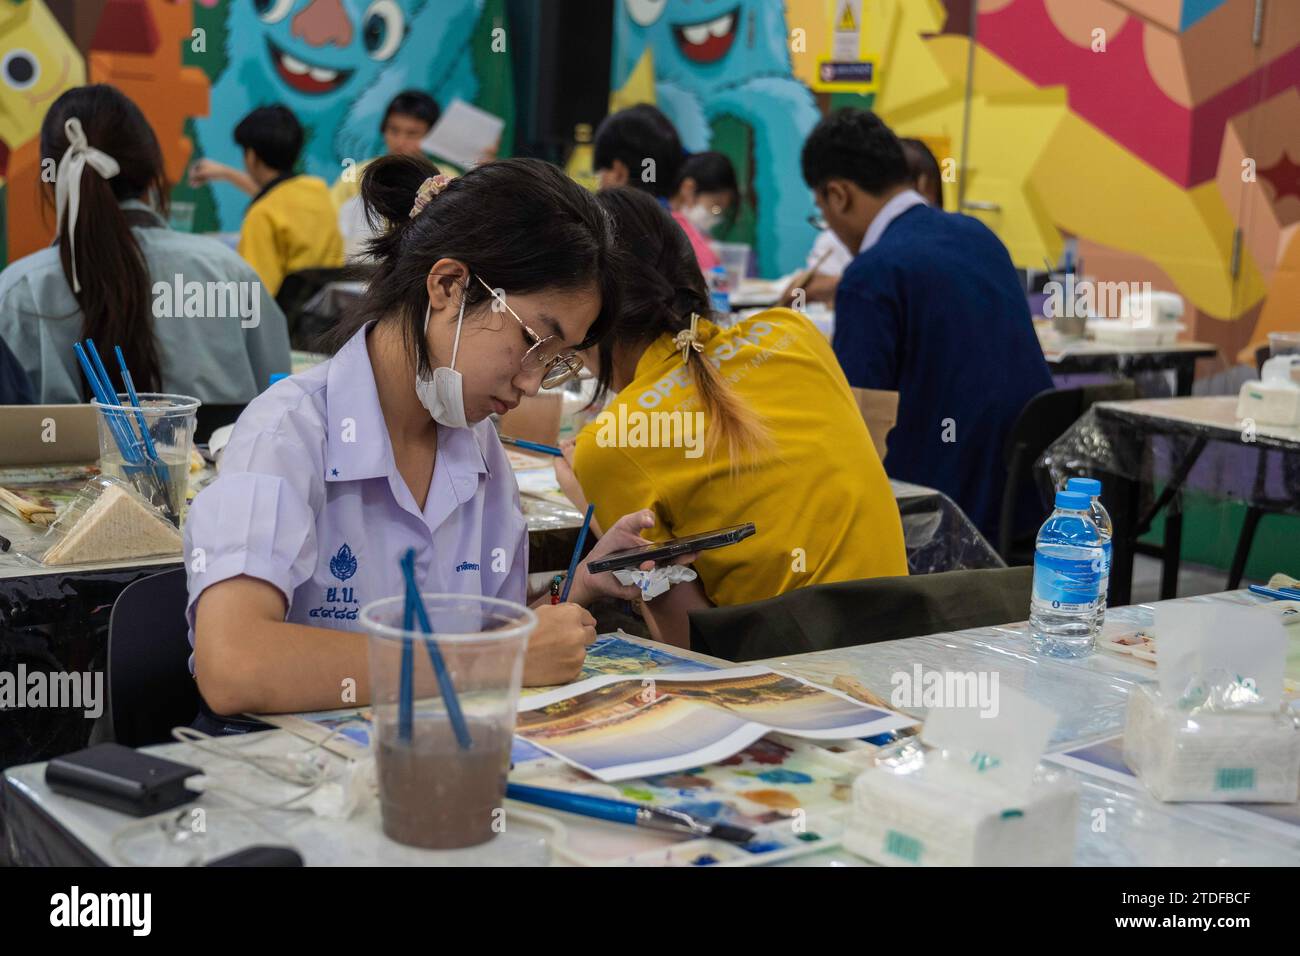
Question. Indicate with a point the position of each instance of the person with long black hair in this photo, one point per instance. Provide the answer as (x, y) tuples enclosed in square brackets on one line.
[(117, 274)]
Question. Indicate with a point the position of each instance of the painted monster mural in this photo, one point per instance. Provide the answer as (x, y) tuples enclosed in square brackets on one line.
[(336, 64), (716, 58)]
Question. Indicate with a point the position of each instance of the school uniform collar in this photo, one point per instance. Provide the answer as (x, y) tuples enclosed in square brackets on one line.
[(888, 213), (136, 205), (357, 444), (282, 178)]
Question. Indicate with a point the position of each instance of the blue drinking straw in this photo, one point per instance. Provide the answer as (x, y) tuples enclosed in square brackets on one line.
[(149, 448), (405, 719), (152, 459), (125, 444), (577, 554), (435, 656)]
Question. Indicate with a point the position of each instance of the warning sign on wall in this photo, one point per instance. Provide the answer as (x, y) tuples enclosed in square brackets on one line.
[(849, 66)]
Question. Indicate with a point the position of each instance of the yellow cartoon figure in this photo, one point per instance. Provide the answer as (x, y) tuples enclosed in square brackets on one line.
[(37, 63)]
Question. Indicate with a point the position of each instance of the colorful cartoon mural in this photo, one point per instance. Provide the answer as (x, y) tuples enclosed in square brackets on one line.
[(336, 64), (716, 59), (196, 68), (1157, 132)]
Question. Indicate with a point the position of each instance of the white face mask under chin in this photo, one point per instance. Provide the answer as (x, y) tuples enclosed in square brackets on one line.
[(443, 392)]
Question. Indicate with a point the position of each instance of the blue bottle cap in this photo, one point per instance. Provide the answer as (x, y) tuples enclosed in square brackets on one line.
[(1085, 486), (1072, 501)]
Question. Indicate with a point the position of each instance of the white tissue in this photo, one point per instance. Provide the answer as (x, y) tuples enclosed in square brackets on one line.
[(1216, 728), (657, 580), (1218, 757), (926, 818), (971, 795)]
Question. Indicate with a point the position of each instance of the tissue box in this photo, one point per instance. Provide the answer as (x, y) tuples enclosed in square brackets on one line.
[(924, 819), (1246, 757), (1269, 403)]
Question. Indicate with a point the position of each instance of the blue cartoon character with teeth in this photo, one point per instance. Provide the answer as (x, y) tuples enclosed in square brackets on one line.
[(335, 64), (715, 58)]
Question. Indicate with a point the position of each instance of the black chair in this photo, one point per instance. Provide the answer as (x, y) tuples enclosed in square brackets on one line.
[(849, 613), (308, 325), (1259, 503), (1044, 419), (150, 689)]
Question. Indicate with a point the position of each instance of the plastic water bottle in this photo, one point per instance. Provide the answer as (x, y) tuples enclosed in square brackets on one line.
[(720, 292), (1101, 518), (1067, 579)]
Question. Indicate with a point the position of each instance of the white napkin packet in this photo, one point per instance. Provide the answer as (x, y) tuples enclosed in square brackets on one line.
[(1216, 727), (970, 793)]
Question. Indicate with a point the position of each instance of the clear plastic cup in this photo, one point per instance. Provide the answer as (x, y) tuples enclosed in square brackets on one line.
[(434, 792), (169, 420), (1283, 343), (182, 216), (734, 257)]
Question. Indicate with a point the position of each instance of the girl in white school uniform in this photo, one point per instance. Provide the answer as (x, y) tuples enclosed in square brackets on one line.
[(487, 286)]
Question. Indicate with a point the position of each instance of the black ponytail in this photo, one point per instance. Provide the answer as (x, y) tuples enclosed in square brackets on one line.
[(111, 269)]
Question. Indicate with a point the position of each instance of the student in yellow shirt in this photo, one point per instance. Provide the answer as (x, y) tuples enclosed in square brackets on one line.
[(713, 427), (290, 224)]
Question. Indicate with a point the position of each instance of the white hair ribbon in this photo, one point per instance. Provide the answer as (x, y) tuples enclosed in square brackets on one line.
[(67, 183)]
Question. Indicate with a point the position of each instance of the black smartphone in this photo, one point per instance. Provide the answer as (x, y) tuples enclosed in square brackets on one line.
[(664, 550)]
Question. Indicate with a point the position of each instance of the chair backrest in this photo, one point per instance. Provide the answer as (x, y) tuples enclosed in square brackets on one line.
[(1043, 420), (849, 613), (296, 292), (1046, 417), (879, 408), (150, 689)]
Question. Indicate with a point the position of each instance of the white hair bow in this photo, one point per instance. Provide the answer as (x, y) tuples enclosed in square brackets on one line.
[(67, 183)]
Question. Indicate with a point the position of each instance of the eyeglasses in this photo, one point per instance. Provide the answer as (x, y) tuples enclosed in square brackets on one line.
[(549, 352)]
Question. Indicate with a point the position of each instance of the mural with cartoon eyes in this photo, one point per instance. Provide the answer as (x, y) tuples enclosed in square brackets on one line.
[(37, 63), (716, 58), (335, 64)]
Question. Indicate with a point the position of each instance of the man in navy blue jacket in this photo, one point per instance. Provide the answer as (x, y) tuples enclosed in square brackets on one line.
[(931, 307)]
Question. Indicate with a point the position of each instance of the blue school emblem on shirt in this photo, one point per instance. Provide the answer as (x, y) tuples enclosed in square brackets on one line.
[(344, 564), (467, 566)]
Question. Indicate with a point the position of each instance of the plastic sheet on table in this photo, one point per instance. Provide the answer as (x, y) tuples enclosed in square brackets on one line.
[(939, 537), (1089, 696), (1140, 449)]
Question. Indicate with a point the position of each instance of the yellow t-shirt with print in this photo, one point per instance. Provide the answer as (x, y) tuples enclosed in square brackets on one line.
[(291, 227), (818, 497)]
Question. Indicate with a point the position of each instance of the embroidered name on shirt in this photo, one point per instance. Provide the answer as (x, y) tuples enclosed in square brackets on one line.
[(343, 605), (467, 566)]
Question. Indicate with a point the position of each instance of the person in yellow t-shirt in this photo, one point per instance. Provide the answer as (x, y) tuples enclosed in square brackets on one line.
[(713, 427), (290, 224)]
